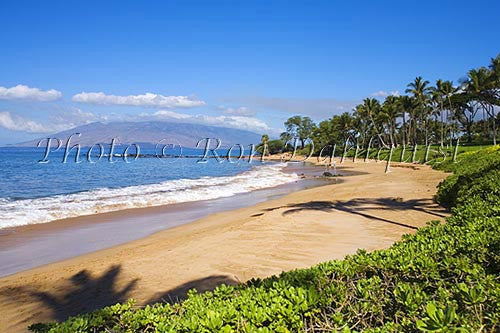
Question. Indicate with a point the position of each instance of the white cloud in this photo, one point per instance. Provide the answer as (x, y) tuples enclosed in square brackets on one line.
[(19, 124), (246, 123), (145, 100), (24, 92), (171, 114), (315, 107), (382, 93), (241, 111), (74, 117), (240, 122), (58, 122)]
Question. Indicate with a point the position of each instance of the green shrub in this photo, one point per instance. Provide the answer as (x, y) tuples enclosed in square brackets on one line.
[(444, 278), (476, 174)]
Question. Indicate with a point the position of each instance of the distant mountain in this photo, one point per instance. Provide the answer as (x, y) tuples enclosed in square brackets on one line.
[(151, 132)]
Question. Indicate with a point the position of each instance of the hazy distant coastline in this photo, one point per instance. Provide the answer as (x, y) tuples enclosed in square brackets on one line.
[(149, 132)]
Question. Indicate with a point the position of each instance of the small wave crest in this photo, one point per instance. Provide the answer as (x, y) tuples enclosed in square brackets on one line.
[(102, 200)]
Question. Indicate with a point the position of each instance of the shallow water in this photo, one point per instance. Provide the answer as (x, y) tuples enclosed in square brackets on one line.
[(34, 245), (32, 192)]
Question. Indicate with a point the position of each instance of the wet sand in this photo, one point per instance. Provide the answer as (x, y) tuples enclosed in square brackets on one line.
[(27, 247), (367, 209)]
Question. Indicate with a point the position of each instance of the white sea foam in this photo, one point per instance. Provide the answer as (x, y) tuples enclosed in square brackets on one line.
[(42, 210)]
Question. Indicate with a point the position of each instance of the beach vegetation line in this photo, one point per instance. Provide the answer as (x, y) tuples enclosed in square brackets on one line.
[(443, 278)]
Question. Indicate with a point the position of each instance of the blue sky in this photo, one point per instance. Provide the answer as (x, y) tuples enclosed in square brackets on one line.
[(241, 64)]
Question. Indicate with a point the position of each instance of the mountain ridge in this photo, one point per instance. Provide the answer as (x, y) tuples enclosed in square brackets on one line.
[(149, 132)]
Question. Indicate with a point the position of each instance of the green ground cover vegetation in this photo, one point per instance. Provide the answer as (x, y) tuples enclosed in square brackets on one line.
[(444, 278)]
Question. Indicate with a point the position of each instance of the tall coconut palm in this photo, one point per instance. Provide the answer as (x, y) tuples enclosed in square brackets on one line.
[(361, 123), (479, 85), (420, 90), (369, 109), (264, 140), (495, 81), (406, 105), (438, 97), (389, 114), (448, 90), (465, 108), (344, 125)]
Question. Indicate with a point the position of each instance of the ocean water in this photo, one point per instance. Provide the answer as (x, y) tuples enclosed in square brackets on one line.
[(32, 192)]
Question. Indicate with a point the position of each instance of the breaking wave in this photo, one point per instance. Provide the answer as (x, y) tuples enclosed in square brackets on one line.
[(41, 210)]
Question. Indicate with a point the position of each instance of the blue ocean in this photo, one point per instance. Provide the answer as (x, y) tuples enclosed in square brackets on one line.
[(33, 192)]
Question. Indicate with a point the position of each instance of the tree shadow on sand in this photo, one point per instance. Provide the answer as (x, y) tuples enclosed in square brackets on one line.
[(366, 206), (85, 294), (179, 293)]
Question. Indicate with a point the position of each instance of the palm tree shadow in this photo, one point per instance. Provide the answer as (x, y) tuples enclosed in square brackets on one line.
[(85, 294), (366, 206), (180, 292)]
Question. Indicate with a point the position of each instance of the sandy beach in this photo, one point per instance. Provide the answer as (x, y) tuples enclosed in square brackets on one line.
[(39, 244), (368, 209)]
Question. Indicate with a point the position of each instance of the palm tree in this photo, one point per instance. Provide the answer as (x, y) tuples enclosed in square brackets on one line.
[(369, 109), (388, 115), (406, 104), (439, 112), (448, 90), (361, 123), (263, 146), (479, 86), (438, 97), (465, 108), (495, 82), (344, 125), (420, 90), (285, 137)]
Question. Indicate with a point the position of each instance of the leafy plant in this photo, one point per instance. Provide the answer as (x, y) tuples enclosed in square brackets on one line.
[(444, 278)]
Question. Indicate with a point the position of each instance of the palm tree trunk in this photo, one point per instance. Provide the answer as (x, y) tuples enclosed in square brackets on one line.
[(391, 135), (442, 125), (404, 129), (414, 128), (447, 120), (484, 121), (425, 134), (494, 125), (451, 122), (469, 129)]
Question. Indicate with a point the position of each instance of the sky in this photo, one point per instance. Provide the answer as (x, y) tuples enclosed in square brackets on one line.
[(240, 64)]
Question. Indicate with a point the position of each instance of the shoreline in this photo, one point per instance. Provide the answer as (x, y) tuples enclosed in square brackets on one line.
[(88, 233), (368, 209)]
